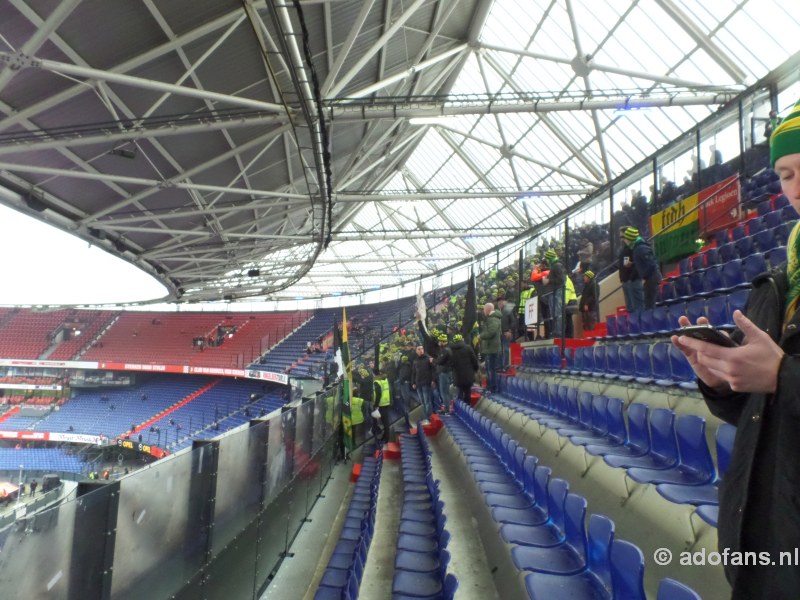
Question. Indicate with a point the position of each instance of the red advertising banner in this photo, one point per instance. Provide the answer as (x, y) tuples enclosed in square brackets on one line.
[(720, 205), (121, 366)]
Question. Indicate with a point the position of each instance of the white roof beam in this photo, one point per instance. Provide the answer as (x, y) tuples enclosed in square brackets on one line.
[(367, 55), (140, 82), (54, 20), (686, 23), (129, 65), (355, 29)]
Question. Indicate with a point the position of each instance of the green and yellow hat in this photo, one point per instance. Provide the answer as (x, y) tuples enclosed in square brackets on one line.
[(630, 233), (785, 139)]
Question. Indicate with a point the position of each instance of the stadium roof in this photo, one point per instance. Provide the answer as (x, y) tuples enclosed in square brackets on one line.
[(247, 149)]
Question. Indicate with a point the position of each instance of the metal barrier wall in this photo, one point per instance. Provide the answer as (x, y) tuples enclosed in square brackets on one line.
[(211, 522)]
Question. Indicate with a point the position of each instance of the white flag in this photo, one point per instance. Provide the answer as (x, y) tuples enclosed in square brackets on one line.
[(422, 310)]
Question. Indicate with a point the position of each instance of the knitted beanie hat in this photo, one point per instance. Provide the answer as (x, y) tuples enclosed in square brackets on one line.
[(631, 233), (550, 255), (458, 338), (786, 137)]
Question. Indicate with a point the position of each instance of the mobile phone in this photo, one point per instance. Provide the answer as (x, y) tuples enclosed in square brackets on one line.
[(707, 333)]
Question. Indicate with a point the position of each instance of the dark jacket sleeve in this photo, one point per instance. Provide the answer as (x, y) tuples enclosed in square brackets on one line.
[(727, 406), (556, 276), (645, 261)]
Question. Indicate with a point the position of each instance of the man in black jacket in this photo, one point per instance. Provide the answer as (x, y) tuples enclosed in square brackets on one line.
[(554, 284), (464, 363), (755, 387), (628, 277), (421, 380), (588, 301)]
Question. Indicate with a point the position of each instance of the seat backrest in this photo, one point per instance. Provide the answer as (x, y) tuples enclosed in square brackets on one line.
[(679, 366), (615, 420), (755, 225), (753, 266), (627, 571), (588, 359), (738, 300), (738, 232), (634, 322), (575, 523), (726, 434), (660, 319), (698, 261), (638, 431), (646, 321), (676, 311), (696, 309), (626, 359), (528, 473), (622, 324), (732, 274), (557, 490), (669, 589), (641, 361), (450, 586), (777, 256), (573, 412), (718, 313), (661, 361), (611, 325), (662, 434), (690, 431), (585, 405), (772, 219), (599, 415), (667, 291), (541, 478), (598, 548), (765, 240), (600, 362), (612, 358)]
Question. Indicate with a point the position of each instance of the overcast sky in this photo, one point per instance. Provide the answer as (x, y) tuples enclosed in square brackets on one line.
[(43, 265)]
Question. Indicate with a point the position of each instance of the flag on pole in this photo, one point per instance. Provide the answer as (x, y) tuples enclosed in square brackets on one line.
[(342, 354), (470, 310), (422, 310)]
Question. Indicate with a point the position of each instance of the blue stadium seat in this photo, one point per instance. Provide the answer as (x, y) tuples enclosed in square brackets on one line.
[(663, 453), (709, 513), (697, 262), (684, 266), (712, 257), (661, 323), (591, 583), (627, 571), (695, 465), (622, 325), (697, 283), (646, 326), (600, 362), (754, 226), (733, 275), (765, 240), (637, 442), (788, 213), (667, 292), (608, 424), (763, 207), (681, 370), (626, 370), (642, 366), (669, 589), (612, 361), (683, 287), (676, 311), (722, 237), (568, 557), (727, 252), (772, 219), (706, 493), (611, 326), (781, 232), (719, 315), (738, 232), (745, 246), (753, 266), (777, 256), (634, 324), (696, 309), (713, 276)]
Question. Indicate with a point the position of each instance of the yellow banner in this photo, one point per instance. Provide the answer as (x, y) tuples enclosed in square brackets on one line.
[(677, 215)]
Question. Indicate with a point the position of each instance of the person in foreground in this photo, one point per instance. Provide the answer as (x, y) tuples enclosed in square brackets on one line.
[(756, 387)]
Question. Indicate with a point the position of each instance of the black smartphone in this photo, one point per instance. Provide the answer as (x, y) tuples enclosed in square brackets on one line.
[(707, 333)]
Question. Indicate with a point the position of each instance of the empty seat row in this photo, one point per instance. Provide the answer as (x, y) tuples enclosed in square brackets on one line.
[(663, 320), (656, 446), (342, 576), (661, 363), (543, 524), (422, 557)]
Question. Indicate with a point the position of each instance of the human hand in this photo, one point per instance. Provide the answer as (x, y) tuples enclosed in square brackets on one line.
[(751, 367), (691, 353)]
